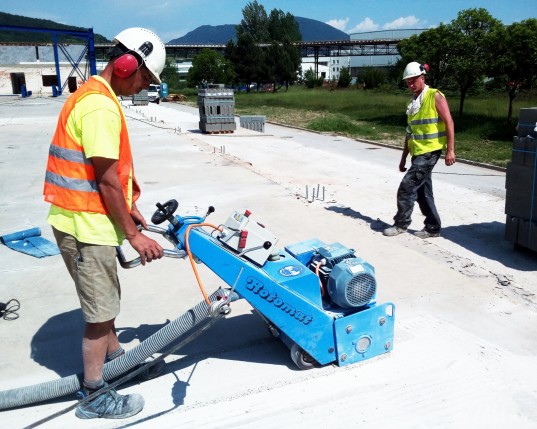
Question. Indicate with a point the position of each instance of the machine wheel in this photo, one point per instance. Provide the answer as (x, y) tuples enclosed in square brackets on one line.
[(302, 359), (164, 212)]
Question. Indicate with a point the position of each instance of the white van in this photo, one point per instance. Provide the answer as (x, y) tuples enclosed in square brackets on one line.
[(153, 93)]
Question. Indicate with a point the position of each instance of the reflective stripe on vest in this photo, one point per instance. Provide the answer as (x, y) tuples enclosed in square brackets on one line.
[(71, 184), (428, 131), (68, 154), (429, 136), (70, 178)]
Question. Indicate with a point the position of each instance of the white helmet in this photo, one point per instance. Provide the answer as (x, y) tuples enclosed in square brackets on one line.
[(414, 69), (146, 44)]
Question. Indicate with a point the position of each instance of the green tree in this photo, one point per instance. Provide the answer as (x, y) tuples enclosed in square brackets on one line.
[(310, 80), (427, 47), (373, 77), (170, 76), (460, 54), (471, 48), (345, 78), (282, 58), (516, 50), (254, 22), (247, 55), (211, 67), (264, 52)]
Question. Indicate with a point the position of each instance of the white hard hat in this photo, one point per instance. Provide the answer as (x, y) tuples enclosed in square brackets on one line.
[(414, 69), (147, 45)]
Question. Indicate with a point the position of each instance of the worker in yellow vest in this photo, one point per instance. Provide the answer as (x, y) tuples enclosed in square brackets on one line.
[(92, 189), (429, 130)]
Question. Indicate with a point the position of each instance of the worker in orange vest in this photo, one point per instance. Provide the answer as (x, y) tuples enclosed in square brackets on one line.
[(91, 186)]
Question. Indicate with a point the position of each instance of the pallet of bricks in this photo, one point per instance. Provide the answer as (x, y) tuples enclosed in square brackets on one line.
[(217, 109), (140, 99), (521, 184)]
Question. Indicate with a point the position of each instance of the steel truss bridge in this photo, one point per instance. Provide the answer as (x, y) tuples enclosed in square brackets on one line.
[(315, 50), (307, 49), (98, 51)]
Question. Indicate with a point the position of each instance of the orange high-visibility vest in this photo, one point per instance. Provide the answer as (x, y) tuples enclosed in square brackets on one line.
[(70, 178)]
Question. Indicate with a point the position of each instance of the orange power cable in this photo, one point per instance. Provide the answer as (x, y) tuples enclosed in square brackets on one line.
[(317, 267), (191, 258)]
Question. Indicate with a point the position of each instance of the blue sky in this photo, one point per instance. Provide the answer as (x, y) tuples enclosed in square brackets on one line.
[(174, 18)]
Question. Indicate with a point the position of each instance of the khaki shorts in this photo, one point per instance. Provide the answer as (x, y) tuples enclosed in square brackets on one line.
[(94, 271)]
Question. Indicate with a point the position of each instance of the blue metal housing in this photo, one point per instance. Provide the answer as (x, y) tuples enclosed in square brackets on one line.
[(287, 293)]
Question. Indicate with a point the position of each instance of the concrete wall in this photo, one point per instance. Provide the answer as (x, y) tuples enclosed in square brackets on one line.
[(33, 75), (35, 62)]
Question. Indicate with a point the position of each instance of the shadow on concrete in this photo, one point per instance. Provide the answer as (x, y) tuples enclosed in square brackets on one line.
[(375, 224), (231, 338), (178, 396), (57, 344), (486, 239)]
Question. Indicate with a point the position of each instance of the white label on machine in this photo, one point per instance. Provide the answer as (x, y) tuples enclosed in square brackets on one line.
[(241, 234), (358, 268)]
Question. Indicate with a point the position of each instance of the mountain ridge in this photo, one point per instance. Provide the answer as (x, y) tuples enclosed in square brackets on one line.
[(26, 36), (311, 30)]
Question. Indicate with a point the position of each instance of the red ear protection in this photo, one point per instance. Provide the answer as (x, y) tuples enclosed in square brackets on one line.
[(125, 65)]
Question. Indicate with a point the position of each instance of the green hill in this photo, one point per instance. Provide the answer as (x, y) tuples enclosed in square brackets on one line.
[(37, 37), (310, 29)]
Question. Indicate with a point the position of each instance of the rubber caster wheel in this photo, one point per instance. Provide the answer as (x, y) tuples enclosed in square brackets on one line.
[(302, 359)]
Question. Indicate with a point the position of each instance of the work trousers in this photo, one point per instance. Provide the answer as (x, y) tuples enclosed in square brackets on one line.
[(417, 185)]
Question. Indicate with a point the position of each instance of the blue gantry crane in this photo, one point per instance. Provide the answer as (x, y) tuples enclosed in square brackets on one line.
[(88, 53)]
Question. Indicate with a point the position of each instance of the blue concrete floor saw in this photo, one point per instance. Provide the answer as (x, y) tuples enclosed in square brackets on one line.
[(318, 298)]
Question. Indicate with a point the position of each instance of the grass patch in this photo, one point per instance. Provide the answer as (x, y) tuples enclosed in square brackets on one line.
[(481, 134)]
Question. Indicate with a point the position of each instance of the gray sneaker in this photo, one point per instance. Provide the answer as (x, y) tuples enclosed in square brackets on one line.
[(393, 230), (426, 234), (111, 405)]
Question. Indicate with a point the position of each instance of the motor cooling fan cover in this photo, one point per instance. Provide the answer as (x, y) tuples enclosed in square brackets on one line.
[(352, 283)]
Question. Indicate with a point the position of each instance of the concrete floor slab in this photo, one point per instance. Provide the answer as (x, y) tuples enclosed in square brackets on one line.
[(464, 351)]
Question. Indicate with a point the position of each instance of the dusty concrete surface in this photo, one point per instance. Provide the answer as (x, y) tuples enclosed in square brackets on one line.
[(464, 353)]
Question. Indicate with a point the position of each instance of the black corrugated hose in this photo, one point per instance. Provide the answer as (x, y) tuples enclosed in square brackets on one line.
[(67, 385)]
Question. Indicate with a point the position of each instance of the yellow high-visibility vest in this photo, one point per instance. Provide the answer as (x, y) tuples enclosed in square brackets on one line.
[(428, 131)]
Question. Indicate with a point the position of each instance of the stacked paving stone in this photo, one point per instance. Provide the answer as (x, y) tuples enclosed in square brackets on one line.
[(521, 184), (140, 99), (256, 123), (217, 110)]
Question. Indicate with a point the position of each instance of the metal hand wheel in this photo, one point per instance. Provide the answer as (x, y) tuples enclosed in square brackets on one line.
[(164, 212)]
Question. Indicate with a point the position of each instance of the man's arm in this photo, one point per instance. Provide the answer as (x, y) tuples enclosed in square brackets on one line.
[(445, 115), (114, 200)]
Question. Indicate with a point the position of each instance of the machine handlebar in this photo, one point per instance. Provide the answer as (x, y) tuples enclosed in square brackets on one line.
[(179, 254)]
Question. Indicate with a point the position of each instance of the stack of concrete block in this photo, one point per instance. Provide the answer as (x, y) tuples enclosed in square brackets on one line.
[(256, 123), (140, 99), (217, 110), (521, 184)]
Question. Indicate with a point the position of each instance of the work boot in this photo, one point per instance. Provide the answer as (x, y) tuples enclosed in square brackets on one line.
[(426, 234), (393, 230), (110, 405)]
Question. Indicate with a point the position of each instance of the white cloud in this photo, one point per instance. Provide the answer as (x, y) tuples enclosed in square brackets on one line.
[(403, 22), (366, 25), (340, 24)]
